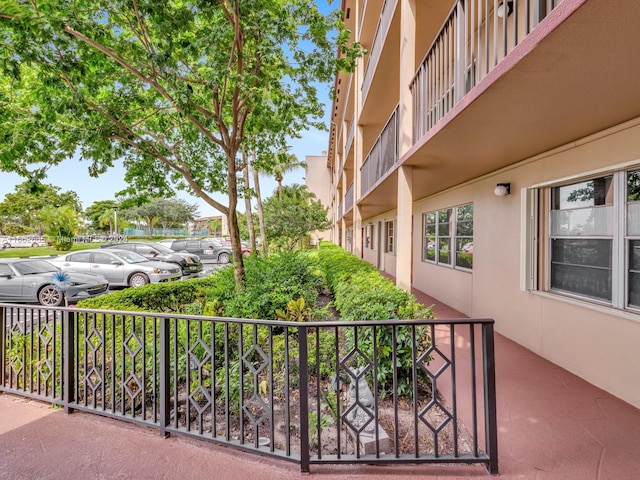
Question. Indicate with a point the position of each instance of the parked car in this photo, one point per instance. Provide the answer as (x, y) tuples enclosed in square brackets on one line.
[(32, 280), (121, 267), (244, 246), (189, 263), (205, 248), (167, 241), (25, 241)]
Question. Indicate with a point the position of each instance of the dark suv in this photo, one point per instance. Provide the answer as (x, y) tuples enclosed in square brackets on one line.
[(205, 248), (189, 263)]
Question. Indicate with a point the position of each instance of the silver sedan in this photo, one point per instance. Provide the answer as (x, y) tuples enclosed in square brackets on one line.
[(121, 267), (36, 280)]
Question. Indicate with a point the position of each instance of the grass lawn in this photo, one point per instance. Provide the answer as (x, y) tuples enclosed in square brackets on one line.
[(43, 251)]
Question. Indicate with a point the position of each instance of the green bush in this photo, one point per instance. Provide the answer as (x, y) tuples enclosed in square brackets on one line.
[(362, 293), (271, 283), (163, 297)]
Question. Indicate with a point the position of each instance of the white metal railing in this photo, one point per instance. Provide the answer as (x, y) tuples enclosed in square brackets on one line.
[(350, 135), (475, 37), (382, 156), (348, 198), (376, 47)]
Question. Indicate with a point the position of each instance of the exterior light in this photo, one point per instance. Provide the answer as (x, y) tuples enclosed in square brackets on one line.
[(502, 189)]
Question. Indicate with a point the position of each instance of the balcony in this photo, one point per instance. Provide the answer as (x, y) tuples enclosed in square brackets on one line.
[(383, 155), (379, 39), (474, 39), (348, 199)]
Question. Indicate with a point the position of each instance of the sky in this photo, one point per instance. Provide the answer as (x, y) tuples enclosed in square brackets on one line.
[(73, 175)]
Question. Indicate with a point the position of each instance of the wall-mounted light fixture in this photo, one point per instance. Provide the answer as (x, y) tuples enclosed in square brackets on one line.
[(501, 8), (502, 189)]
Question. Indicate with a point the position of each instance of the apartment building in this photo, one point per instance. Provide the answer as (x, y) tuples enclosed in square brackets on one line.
[(487, 152)]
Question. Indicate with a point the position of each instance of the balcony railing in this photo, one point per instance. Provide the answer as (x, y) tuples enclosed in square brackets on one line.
[(382, 156), (475, 37), (350, 135), (376, 47), (348, 198), (306, 392)]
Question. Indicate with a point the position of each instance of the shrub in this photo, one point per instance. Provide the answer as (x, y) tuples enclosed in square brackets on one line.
[(270, 284), (362, 293)]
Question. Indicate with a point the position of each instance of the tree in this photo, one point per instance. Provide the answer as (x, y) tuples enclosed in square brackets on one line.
[(100, 214), (61, 225), (280, 163), (23, 206), (167, 212), (174, 89), (293, 215)]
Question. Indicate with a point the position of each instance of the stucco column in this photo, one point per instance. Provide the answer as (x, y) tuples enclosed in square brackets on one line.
[(407, 71), (404, 229), (357, 151), (403, 233)]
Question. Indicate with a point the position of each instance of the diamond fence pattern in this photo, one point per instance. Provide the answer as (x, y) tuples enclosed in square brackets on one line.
[(324, 392)]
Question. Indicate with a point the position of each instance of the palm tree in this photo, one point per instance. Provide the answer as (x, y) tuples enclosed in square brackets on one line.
[(283, 162)]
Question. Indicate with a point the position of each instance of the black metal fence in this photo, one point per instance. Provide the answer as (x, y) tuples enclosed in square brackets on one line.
[(324, 392)]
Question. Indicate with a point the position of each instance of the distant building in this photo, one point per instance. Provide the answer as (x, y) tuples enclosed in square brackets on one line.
[(216, 225), (318, 180)]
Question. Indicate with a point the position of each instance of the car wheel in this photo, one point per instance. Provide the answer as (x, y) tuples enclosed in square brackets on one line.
[(223, 257), (246, 254), (138, 280), (50, 296), (34, 244), (7, 245)]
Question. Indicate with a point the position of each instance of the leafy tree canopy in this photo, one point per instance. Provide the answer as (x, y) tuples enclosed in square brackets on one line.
[(23, 206), (100, 214), (292, 215), (173, 89), (168, 212)]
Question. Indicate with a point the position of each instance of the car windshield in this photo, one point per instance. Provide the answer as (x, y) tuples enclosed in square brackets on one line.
[(130, 257), (162, 248), (31, 267)]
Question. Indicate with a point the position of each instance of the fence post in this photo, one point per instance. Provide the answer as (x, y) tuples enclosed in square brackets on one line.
[(491, 422), (165, 367), (3, 326), (69, 356), (304, 399)]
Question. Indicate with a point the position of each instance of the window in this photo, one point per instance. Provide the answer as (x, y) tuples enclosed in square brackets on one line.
[(367, 236), (103, 258), (84, 257), (581, 234), (388, 243), (446, 230), (590, 239)]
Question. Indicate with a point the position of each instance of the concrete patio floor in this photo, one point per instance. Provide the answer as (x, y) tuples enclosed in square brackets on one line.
[(552, 425)]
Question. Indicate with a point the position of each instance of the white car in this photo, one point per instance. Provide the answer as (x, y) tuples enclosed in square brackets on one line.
[(25, 241), (120, 267), (36, 280)]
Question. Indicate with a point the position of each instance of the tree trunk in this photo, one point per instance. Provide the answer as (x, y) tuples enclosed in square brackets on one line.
[(263, 234), (247, 205), (232, 219)]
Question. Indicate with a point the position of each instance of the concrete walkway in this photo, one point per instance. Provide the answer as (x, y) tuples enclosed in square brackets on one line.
[(552, 426)]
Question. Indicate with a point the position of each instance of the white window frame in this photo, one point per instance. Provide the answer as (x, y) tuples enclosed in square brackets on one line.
[(534, 246), (389, 238), (452, 235)]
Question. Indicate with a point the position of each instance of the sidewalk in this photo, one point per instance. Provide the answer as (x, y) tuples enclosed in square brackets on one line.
[(552, 426)]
